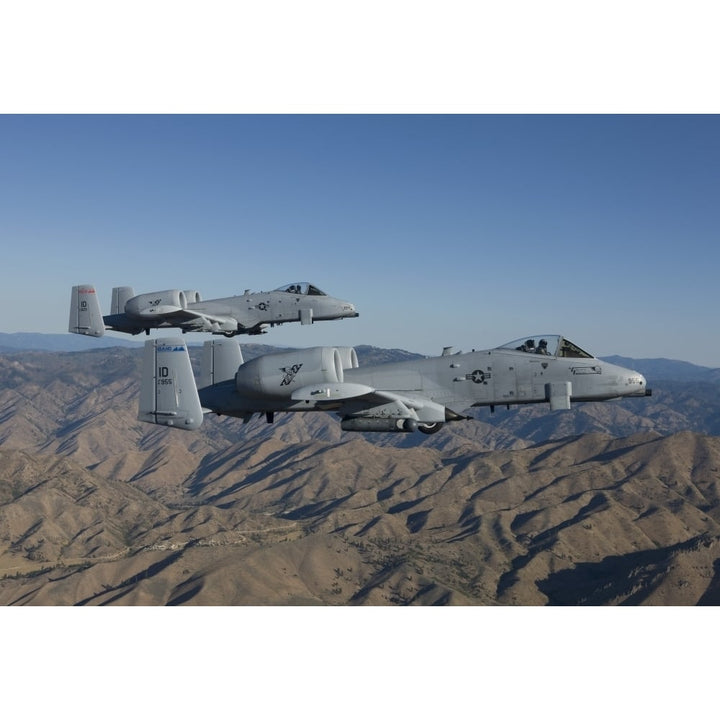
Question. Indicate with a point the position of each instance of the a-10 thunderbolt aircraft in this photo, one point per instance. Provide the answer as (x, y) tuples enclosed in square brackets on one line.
[(421, 394), (248, 314)]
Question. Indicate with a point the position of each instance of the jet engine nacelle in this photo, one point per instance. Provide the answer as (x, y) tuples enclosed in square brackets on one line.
[(348, 357), (157, 303), (193, 296), (279, 374)]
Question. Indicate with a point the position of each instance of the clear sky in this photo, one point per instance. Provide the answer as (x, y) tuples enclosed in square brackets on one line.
[(464, 230)]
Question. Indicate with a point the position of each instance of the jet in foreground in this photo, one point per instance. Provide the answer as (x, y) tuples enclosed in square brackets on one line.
[(421, 394), (248, 314)]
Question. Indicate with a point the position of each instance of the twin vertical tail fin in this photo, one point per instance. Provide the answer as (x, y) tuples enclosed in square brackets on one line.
[(120, 295), (85, 315), (168, 394), (221, 359)]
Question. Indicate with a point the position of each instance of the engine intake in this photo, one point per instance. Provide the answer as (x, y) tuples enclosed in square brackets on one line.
[(349, 357), (193, 296), (279, 374)]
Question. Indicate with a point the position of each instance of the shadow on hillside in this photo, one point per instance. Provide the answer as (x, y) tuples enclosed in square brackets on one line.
[(115, 593), (622, 580), (711, 596)]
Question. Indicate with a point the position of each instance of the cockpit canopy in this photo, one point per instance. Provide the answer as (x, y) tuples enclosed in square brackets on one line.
[(301, 288), (554, 345)]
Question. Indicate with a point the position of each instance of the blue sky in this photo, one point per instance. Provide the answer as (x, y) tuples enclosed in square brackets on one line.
[(464, 230)]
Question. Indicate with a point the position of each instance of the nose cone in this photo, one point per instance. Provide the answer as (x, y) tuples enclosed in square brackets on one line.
[(635, 384), (331, 308), (347, 309)]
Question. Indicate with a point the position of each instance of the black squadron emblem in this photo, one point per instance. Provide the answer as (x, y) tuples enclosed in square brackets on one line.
[(290, 373)]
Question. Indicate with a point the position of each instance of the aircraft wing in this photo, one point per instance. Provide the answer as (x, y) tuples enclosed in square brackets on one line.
[(366, 401), (187, 320), (174, 316), (203, 321), (331, 393)]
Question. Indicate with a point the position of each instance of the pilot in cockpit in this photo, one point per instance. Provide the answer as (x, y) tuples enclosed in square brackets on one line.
[(542, 348), (527, 346)]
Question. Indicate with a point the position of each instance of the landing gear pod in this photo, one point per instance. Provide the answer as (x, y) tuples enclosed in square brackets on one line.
[(429, 428), (559, 394)]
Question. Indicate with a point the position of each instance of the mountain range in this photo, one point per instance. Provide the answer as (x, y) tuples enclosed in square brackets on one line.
[(608, 503)]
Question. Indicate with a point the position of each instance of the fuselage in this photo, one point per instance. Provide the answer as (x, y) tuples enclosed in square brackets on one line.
[(275, 308), (248, 314), (500, 376)]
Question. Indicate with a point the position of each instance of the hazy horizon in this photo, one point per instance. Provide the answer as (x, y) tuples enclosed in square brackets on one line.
[(463, 230)]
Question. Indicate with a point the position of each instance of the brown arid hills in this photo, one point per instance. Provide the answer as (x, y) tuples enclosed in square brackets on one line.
[(603, 505)]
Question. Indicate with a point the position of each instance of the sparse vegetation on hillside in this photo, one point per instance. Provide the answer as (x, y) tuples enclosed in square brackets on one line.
[(606, 504)]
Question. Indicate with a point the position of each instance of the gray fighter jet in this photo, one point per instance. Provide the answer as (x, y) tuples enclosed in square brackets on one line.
[(248, 314), (421, 394)]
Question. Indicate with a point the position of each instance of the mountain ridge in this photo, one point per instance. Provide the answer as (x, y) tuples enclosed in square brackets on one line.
[(608, 503), (587, 520)]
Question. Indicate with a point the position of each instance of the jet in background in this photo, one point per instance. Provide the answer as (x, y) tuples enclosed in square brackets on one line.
[(420, 394), (248, 314)]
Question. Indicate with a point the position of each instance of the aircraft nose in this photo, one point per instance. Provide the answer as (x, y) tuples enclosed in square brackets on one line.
[(637, 384), (349, 310), (648, 390)]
